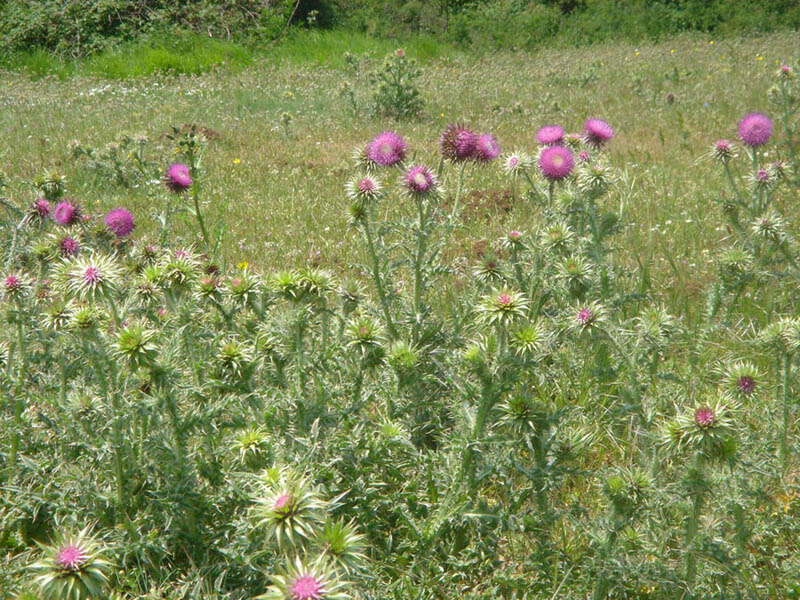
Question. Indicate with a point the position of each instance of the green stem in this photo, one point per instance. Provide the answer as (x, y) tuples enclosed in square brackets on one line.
[(376, 277), (419, 259), (199, 215), (468, 460), (787, 364), (551, 192), (20, 391), (732, 181), (459, 190), (518, 268), (691, 527)]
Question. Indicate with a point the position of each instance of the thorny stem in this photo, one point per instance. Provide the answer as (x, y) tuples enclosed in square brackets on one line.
[(376, 277), (787, 364)]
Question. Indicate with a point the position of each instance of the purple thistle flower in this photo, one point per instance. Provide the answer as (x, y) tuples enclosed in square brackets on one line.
[(457, 143), (597, 132), (366, 185), (670, 98), (504, 299), (71, 558), (12, 284), (550, 135), (281, 501), (584, 316), (66, 213), (704, 417), (42, 207), (306, 587), (120, 222), (68, 246), (177, 178), (92, 276), (419, 180), (746, 384), (584, 156), (486, 148), (556, 162), (762, 175), (386, 149), (514, 234), (755, 129)]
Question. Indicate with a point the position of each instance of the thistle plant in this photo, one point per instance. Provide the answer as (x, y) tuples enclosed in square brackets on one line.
[(74, 568), (395, 90), (707, 434)]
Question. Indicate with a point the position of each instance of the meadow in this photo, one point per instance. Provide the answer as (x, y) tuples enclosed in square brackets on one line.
[(310, 371)]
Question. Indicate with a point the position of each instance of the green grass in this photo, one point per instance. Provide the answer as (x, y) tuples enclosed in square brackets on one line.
[(187, 54)]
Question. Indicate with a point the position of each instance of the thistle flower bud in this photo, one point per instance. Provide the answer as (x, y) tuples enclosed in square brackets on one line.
[(489, 270), (16, 286), (291, 510), (528, 341), (252, 446), (502, 307), (734, 266), (90, 277), (301, 581), (770, 227), (594, 179), (586, 318), (402, 356), (723, 151), (708, 427), (516, 162), (135, 345), (778, 336), (576, 274), (557, 237)]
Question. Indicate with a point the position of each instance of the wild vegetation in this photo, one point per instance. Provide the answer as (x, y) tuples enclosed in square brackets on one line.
[(405, 324)]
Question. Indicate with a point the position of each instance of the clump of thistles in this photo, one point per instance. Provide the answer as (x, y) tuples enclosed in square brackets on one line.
[(177, 178), (119, 222), (597, 132), (386, 149), (550, 135), (419, 180), (755, 129), (556, 162)]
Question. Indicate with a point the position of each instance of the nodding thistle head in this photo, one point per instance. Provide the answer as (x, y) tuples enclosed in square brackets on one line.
[(735, 267), (90, 277), (587, 318), (770, 227), (490, 269), (136, 345), (723, 151), (290, 509), (576, 274), (419, 181), (286, 284), (234, 359), (516, 163), (529, 340), (557, 237), (403, 357), (708, 427), (364, 189), (627, 489), (502, 307), (244, 286), (343, 546), (315, 283), (655, 327), (594, 179), (352, 294), (301, 581), (779, 336), (457, 143), (52, 185), (16, 286), (74, 567), (365, 335), (253, 448)]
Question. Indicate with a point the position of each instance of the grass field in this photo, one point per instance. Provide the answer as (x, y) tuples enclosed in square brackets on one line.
[(292, 178), (610, 413)]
